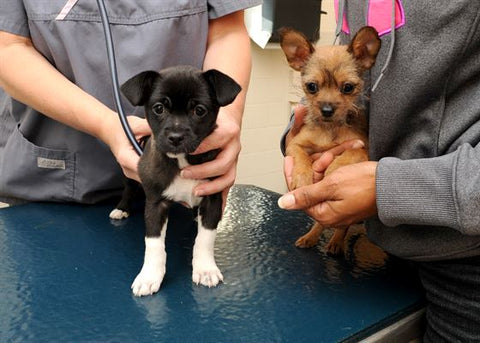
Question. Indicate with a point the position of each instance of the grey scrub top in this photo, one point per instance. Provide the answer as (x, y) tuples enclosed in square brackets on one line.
[(41, 159)]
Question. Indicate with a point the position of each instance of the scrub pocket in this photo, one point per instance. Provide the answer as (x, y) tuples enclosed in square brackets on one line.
[(35, 173)]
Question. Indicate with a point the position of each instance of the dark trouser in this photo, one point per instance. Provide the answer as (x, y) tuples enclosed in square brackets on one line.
[(453, 300)]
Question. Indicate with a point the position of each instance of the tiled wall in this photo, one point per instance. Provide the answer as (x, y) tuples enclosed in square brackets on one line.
[(273, 90)]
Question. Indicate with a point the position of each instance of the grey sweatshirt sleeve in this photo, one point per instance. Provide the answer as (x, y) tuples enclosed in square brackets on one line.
[(440, 191)]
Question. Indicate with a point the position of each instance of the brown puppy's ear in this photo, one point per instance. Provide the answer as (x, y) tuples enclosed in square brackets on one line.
[(296, 47), (365, 46), (139, 88), (223, 86)]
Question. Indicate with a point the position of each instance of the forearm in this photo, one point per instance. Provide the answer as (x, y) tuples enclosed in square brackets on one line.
[(228, 50), (29, 78)]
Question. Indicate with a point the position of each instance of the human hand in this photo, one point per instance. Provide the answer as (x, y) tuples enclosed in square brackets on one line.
[(121, 147), (298, 115), (321, 161), (343, 197), (223, 168)]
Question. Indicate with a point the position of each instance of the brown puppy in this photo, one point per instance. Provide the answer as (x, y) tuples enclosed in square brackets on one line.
[(332, 81)]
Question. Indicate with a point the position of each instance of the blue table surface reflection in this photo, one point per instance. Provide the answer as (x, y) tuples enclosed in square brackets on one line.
[(66, 272)]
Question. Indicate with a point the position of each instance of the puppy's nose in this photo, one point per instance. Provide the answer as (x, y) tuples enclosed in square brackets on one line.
[(175, 138), (327, 110)]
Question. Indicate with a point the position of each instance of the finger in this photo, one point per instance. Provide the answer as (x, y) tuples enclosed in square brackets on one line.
[(129, 164), (299, 116), (212, 142), (347, 145), (139, 126), (205, 170), (305, 197), (226, 159), (317, 176), (216, 185), (323, 161), (323, 214), (288, 170), (225, 197), (220, 137)]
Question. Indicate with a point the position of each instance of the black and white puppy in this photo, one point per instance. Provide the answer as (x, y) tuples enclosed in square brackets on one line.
[(181, 106)]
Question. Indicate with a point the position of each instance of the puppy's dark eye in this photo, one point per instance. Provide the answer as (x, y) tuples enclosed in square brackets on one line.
[(347, 88), (158, 108), (200, 110), (312, 87)]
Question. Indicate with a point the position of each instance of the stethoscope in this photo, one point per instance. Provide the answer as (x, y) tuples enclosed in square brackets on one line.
[(113, 73)]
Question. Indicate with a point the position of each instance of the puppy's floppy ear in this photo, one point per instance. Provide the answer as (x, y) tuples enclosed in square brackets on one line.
[(139, 88), (296, 46), (365, 46), (223, 86)]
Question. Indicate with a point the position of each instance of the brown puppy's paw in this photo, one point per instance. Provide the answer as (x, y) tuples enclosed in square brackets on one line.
[(301, 179), (334, 248), (306, 241)]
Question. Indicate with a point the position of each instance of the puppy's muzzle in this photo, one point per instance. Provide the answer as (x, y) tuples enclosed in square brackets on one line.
[(327, 110), (176, 139)]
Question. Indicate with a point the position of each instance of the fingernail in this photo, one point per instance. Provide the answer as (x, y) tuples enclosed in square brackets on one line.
[(286, 201), (358, 145), (186, 174), (199, 193)]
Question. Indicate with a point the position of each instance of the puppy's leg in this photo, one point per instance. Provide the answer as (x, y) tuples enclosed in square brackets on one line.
[(149, 279), (123, 208), (336, 243), (302, 168), (311, 237), (205, 270)]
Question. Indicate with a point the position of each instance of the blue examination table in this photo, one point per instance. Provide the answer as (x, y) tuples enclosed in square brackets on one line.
[(66, 271)]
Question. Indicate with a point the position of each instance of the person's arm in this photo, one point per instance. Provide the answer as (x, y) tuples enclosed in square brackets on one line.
[(439, 191), (343, 197), (29, 78), (228, 51)]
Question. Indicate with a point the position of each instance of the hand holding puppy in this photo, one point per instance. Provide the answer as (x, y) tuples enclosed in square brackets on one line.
[(121, 147), (344, 197), (226, 137)]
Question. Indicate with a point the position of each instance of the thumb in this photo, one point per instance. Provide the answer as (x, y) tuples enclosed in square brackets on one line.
[(288, 170), (304, 197), (139, 126), (299, 115)]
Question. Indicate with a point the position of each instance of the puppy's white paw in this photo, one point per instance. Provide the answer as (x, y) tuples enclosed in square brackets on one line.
[(118, 214), (148, 281), (206, 274)]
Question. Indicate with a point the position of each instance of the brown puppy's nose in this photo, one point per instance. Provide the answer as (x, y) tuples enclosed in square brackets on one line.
[(327, 110)]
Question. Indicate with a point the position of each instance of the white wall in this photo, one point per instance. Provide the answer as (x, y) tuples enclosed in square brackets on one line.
[(265, 118), (273, 90)]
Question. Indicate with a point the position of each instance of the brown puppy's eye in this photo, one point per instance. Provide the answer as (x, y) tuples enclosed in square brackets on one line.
[(312, 87), (200, 110), (158, 108), (347, 88)]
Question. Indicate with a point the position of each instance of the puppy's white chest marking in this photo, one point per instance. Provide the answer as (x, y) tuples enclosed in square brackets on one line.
[(182, 161), (181, 190)]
